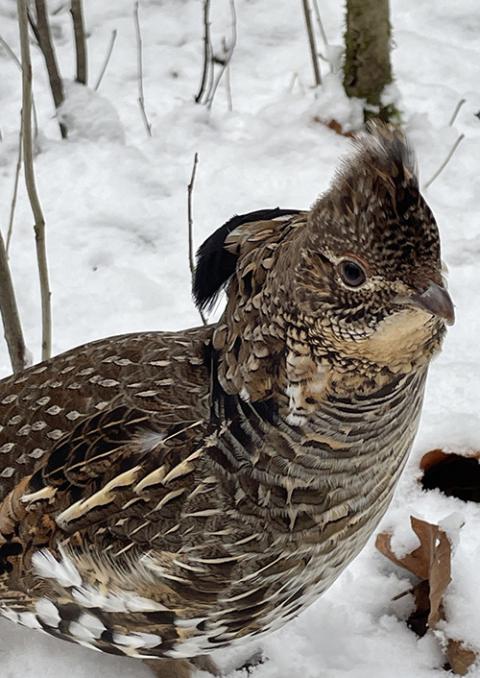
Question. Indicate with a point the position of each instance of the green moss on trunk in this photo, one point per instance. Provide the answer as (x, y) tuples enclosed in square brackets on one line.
[(367, 69)]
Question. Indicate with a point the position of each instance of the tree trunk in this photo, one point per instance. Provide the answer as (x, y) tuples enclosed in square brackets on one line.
[(367, 69)]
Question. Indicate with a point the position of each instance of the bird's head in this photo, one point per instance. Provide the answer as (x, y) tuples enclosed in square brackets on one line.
[(354, 284), (369, 269)]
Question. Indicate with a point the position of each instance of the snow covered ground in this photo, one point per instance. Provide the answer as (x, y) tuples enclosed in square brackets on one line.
[(115, 206)]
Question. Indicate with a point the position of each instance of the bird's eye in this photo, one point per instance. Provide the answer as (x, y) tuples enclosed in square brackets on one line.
[(352, 273)]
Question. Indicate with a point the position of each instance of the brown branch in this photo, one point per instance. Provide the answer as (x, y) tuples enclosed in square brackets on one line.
[(207, 51), (311, 41), (11, 320), (141, 98), (39, 225), (33, 26), (41, 29), (13, 204), (8, 305), (76, 11), (228, 56), (191, 260), (107, 59)]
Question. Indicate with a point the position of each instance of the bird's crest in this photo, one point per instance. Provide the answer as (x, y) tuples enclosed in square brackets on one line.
[(382, 157), (385, 148)]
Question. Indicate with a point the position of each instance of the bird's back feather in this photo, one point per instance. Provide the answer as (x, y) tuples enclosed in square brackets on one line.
[(215, 264)]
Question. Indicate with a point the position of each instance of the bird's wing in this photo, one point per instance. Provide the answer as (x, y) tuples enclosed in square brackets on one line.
[(90, 438), (162, 374), (98, 525)]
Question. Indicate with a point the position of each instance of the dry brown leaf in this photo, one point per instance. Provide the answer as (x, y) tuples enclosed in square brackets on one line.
[(335, 126), (460, 658), (436, 456), (430, 561), (456, 475), (432, 458)]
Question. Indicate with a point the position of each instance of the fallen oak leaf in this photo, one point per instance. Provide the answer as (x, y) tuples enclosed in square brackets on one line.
[(440, 575), (460, 658), (430, 562)]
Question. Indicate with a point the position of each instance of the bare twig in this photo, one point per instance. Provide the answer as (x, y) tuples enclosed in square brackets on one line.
[(210, 78), (11, 320), (445, 162), (191, 260), (107, 59), (13, 204), (207, 52), (311, 40), (320, 23), (39, 225), (293, 80), (141, 98), (322, 33), (228, 55), (17, 61), (41, 30), (456, 111), (33, 26), (228, 87), (76, 11), (10, 51), (8, 305)]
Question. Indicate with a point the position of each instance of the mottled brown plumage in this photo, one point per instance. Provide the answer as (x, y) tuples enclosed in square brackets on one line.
[(166, 494)]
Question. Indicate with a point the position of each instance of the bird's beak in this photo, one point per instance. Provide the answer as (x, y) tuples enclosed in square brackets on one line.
[(436, 301)]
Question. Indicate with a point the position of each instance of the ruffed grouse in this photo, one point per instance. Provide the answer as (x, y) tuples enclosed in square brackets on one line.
[(166, 494)]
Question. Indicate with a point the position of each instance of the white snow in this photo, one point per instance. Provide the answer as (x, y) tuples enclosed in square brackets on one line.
[(115, 206)]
